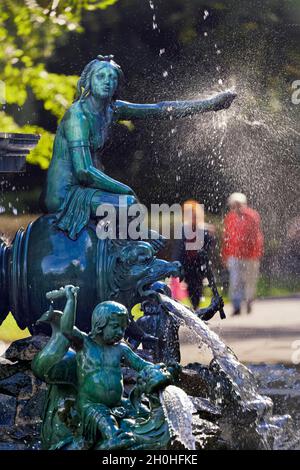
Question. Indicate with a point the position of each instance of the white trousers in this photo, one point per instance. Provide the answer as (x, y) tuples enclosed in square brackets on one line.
[(243, 275)]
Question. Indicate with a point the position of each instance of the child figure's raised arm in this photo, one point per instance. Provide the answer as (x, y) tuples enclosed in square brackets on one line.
[(62, 324), (68, 318)]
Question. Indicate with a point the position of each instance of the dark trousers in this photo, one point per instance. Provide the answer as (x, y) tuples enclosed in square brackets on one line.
[(194, 280)]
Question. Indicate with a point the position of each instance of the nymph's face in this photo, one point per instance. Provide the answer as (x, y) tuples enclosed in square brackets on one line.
[(114, 331), (104, 82)]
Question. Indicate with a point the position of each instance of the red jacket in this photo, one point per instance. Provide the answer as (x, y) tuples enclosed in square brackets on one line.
[(243, 237)]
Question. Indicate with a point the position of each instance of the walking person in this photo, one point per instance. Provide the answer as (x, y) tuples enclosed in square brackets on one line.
[(242, 250), (192, 259)]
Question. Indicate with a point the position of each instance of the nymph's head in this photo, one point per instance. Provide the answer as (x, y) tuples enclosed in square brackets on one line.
[(100, 78), (109, 322)]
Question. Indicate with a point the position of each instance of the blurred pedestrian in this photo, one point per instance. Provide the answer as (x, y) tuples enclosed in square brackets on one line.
[(191, 259), (291, 250), (241, 251)]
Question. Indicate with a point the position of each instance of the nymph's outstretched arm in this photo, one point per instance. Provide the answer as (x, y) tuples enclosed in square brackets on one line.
[(77, 135), (174, 109)]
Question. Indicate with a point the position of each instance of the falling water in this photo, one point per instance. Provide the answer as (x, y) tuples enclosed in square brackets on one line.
[(273, 430), (178, 410), (240, 375), (251, 147), (154, 22)]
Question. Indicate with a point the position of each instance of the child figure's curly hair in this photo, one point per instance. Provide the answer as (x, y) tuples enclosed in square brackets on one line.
[(84, 83), (103, 312)]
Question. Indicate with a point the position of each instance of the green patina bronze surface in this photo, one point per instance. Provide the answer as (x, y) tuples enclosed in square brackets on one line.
[(76, 184), (85, 407), (43, 258), (62, 247)]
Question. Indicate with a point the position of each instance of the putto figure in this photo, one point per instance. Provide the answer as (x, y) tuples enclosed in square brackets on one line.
[(85, 407), (76, 184)]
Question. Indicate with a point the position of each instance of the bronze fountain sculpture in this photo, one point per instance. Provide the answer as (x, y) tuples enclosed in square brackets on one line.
[(85, 407), (62, 246)]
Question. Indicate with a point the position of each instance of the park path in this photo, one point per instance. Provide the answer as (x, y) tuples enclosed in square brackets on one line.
[(268, 334)]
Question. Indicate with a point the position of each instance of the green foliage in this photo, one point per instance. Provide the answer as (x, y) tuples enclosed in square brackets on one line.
[(31, 29), (28, 33)]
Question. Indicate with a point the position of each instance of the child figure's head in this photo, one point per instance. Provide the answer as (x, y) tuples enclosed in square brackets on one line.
[(109, 321)]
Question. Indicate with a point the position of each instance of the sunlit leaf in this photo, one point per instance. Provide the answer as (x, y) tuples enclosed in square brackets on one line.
[(28, 33)]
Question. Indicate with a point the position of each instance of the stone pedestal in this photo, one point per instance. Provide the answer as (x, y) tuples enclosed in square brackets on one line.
[(13, 151)]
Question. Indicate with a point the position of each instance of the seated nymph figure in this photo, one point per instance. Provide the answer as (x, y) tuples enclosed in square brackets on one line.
[(75, 186)]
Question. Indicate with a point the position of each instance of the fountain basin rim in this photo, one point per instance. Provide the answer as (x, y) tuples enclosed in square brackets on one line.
[(10, 140)]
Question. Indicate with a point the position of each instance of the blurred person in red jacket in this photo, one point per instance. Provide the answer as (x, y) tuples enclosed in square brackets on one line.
[(241, 250)]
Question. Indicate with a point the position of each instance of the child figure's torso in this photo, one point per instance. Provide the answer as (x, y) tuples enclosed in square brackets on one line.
[(99, 373)]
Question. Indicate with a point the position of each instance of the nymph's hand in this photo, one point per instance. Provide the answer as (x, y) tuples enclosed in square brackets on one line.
[(84, 177), (224, 100)]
